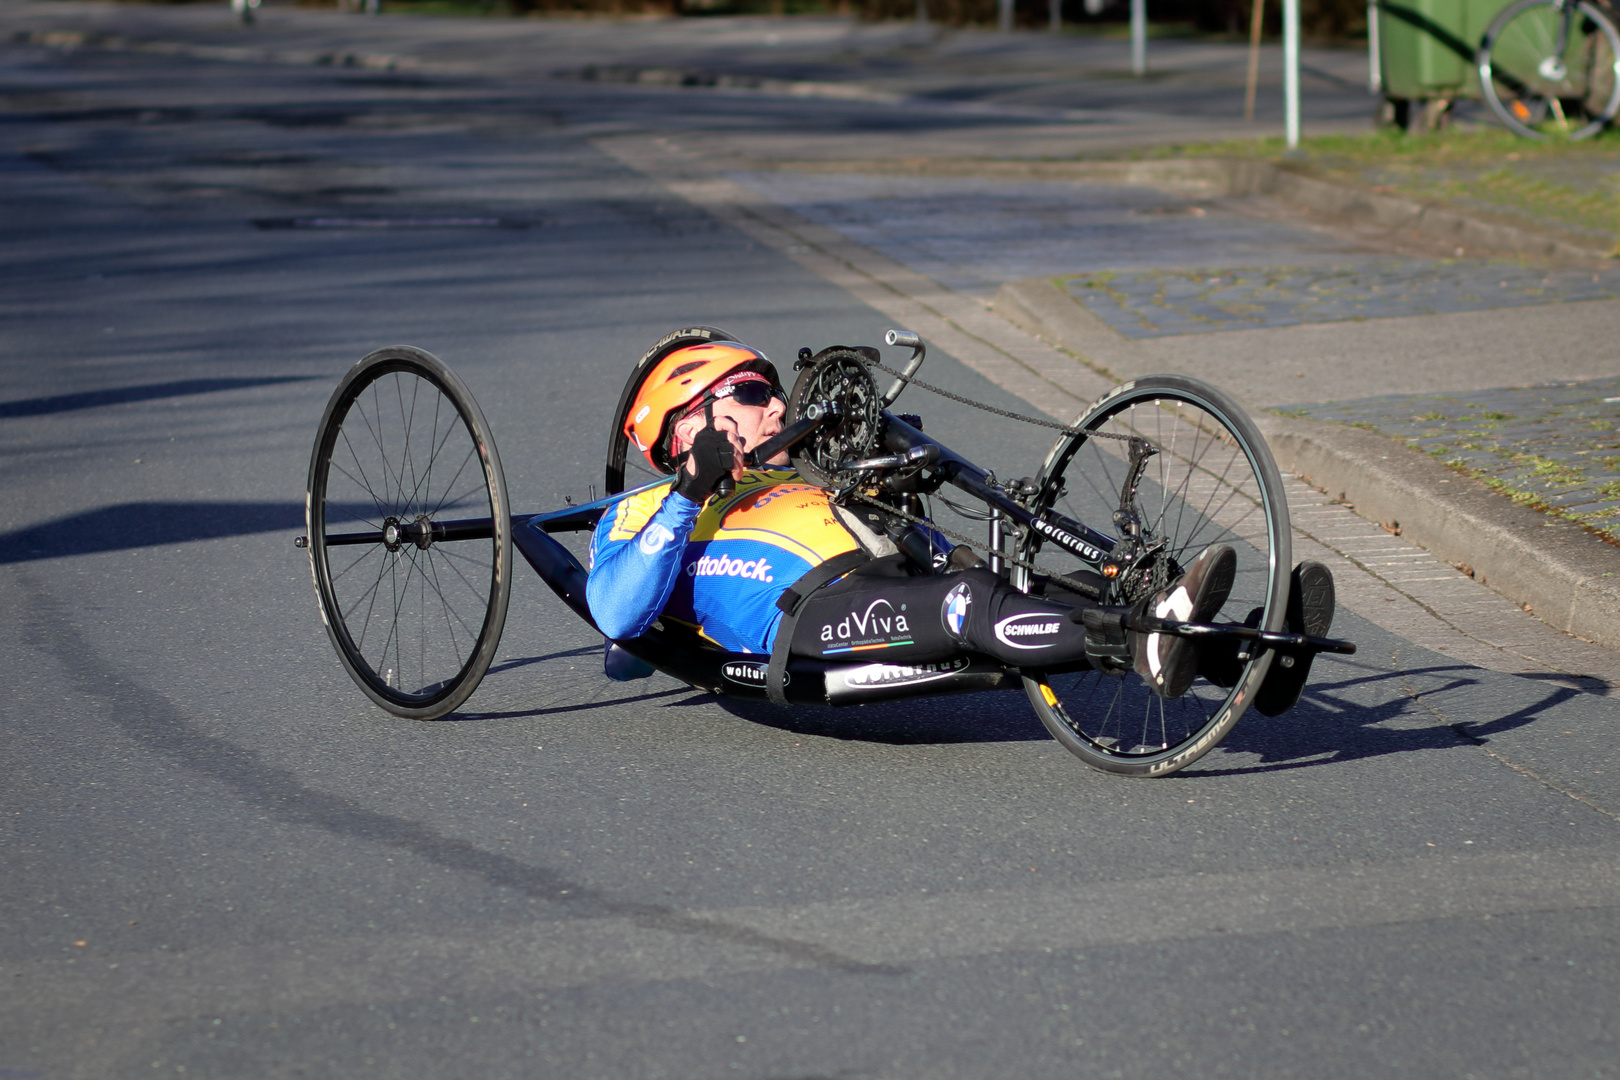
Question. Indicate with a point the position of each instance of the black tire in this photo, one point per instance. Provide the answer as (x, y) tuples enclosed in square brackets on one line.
[(1212, 481), (620, 460), (1538, 90), (415, 610)]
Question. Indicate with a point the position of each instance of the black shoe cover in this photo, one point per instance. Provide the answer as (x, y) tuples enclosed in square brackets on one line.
[(1310, 611), (1167, 663)]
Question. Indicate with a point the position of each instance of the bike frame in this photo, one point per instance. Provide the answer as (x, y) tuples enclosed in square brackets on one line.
[(811, 681)]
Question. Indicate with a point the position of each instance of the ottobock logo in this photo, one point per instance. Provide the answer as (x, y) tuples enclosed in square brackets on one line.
[(880, 626), (871, 675), (1026, 631), (749, 672), (726, 566), (654, 538)]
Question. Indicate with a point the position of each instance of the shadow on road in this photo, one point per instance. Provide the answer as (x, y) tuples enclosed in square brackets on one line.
[(146, 524), (998, 716), (90, 399), (1334, 722)]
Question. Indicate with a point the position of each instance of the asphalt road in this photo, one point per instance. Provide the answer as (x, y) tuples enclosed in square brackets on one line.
[(220, 860)]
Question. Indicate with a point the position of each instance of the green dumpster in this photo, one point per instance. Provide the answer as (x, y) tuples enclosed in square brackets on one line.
[(1426, 55)]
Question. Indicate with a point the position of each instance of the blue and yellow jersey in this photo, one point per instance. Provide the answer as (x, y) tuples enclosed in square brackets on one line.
[(719, 567)]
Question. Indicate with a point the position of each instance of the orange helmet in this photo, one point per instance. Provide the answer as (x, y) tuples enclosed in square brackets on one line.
[(677, 383)]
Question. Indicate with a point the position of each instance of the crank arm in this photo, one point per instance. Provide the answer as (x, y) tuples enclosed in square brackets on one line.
[(787, 438), (923, 455)]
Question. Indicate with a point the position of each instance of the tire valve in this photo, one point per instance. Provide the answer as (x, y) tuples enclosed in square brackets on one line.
[(300, 541)]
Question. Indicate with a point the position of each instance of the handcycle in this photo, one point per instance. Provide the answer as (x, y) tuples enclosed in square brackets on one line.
[(411, 537)]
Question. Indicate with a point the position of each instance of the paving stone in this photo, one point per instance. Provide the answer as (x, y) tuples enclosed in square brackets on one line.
[(1554, 446), (1155, 303), (972, 234)]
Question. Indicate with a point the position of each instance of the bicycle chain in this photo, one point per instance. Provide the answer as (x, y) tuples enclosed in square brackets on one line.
[(947, 533), (967, 540), (1037, 421)]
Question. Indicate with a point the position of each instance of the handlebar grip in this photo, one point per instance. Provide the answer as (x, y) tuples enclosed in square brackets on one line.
[(725, 487)]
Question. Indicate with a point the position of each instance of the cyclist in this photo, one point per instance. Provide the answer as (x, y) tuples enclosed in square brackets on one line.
[(774, 566)]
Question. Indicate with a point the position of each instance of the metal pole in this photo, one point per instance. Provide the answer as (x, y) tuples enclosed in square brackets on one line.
[(1004, 19), (1139, 37), (922, 12), (1291, 71), (1375, 63), (1054, 8), (1255, 23)]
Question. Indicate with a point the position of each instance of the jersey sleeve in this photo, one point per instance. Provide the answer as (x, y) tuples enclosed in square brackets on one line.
[(636, 559)]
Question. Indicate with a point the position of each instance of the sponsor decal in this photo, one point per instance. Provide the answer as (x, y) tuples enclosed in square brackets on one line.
[(880, 626), (953, 613), (779, 491), (1026, 631), (749, 672), (642, 414), (726, 566), (1069, 541), (873, 675), (654, 538)]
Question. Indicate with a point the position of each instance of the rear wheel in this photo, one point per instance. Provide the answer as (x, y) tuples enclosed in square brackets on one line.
[(626, 468), (1548, 71), (1211, 480), (410, 536)]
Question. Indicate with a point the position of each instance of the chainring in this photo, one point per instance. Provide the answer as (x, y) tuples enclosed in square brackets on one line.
[(839, 381)]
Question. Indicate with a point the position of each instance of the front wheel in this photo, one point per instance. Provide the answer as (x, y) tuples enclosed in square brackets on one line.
[(1209, 480), (1551, 68), (410, 535)]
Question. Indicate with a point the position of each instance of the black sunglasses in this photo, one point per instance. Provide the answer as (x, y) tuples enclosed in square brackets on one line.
[(752, 392)]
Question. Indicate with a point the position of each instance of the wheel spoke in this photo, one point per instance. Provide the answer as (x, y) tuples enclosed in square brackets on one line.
[(421, 632), (365, 482), (1203, 486)]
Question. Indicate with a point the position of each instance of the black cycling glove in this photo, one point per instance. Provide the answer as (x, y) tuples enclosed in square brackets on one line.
[(713, 457)]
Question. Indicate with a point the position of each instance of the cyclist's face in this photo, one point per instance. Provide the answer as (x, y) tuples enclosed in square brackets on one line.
[(750, 425), (755, 423)]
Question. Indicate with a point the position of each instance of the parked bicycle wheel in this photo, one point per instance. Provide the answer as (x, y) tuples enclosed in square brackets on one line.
[(1551, 68), (410, 535), (1210, 480)]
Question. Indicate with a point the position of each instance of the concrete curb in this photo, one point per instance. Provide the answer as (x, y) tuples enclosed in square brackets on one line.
[(1567, 577), (1216, 177)]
